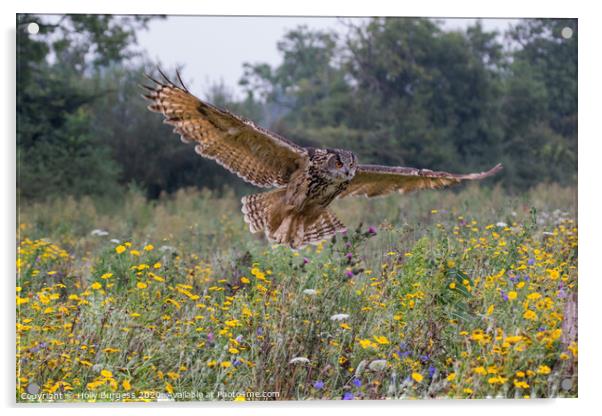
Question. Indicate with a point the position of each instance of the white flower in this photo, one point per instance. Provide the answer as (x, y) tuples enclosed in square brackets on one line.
[(167, 248), (303, 360), (339, 317), (116, 241), (501, 224), (98, 232), (310, 292), (377, 365)]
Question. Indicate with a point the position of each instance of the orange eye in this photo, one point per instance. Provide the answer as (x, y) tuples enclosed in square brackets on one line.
[(339, 164)]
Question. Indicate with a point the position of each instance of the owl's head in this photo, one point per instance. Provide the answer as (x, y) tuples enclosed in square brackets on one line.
[(340, 165)]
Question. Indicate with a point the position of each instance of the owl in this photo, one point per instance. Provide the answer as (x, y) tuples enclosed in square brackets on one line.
[(305, 180)]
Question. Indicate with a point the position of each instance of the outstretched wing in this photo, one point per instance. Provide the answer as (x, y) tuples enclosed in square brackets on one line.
[(255, 154), (374, 180)]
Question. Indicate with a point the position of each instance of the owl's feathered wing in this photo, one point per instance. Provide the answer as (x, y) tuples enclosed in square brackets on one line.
[(255, 154), (375, 180)]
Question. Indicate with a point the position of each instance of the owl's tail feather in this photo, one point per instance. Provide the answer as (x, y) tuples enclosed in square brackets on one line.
[(325, 226), (282, 225), (258, 208)]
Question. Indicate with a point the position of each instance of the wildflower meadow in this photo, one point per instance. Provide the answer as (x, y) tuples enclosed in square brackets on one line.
[(468, 293)]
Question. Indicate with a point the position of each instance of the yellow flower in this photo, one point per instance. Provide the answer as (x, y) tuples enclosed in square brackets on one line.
[(106, 374), (497, 380), (533, 296), (451, 377), (468, 390), (149, 247), (21, 300), (490, 309), (126, 385), (573, 348), (134, 252), (141, 285), (452, 285), (96, 286), (344, 326), (157, 265), (519, 384), (381, 339), (244, 280), (529, 314), (417, 377), (543, 369), (366, 343), (233, 350), (512, 295), (225, 364), (106, 276), (451, 263), (119, 249), (168, 387), (480, 370), (173, 376)]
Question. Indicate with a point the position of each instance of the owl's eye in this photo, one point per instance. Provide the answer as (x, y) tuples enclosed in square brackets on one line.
[(339, 164)]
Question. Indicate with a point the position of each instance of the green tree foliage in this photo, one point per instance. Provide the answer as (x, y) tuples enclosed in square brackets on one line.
[(57, 150), (404, 91), (399, 91), (540, 103)]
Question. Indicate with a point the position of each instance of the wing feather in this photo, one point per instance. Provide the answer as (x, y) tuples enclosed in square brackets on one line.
[(375, 180), (255, 154)]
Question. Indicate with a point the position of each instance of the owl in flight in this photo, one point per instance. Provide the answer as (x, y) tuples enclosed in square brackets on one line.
[(306, 180)]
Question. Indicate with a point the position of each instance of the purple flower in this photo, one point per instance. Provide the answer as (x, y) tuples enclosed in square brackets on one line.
[(357, 382), (348, 396), (236, 362), (432, 371), (541, 328), (210, 337), (504, 295), (349, 256), (259, 331), (305, 260), (424, 358), (372, 230), (318, 385), (403, 354), (349, 274), (531, 261), (239, 338)]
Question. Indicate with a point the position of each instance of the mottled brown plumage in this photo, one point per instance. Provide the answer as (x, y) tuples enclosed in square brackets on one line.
[(307, 180)]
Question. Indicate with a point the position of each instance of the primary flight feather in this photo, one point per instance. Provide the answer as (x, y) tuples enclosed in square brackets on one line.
[(306, 180)]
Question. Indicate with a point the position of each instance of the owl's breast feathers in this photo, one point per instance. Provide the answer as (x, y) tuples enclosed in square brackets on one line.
[(315, 189)]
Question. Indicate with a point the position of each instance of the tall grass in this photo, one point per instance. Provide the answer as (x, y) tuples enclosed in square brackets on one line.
[(453, 294)]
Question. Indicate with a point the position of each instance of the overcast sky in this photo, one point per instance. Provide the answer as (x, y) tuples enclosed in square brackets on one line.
[(213, 49)]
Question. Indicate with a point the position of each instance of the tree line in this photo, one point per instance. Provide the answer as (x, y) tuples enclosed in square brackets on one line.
[(398, 91)]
